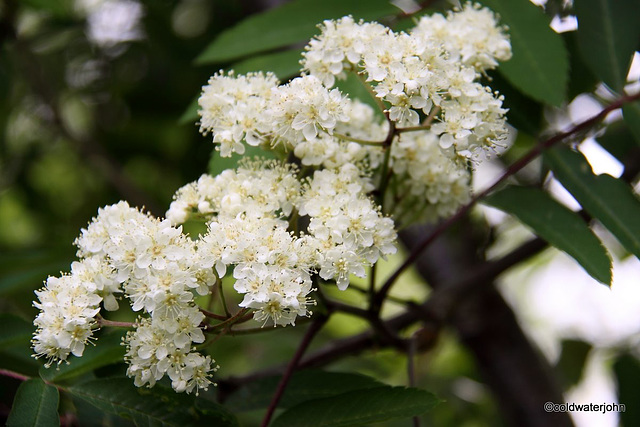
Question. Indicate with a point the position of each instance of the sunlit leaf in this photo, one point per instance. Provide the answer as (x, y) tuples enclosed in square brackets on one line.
[(557, 225), (609, 200), (291, 23), (539, 66)]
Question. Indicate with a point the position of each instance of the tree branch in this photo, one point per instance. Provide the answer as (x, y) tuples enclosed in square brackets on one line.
[(511, 170), (291, 367), (433, 313)]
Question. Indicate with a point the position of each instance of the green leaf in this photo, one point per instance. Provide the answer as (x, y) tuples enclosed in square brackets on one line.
[(14, 330), (283, 64), (58, 8), (627, 372), (619, 141), (190, 115), (524, 114), (573, 359), (581, 79), (539, 66), (556, 224), (157, 406), (631, 114), (609, 200), (217, 164), (108, 350), (608, 33), (28, 269), (291, 23), (303, 386), (35, 404), (15, 345), (359, 407), (353, 87)]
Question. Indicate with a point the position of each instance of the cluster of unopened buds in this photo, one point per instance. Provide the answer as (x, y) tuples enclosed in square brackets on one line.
[(276, 230)]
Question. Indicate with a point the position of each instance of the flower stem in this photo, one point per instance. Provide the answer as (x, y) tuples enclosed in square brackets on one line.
[(378, 101), (104, 322), (222, 298), (213, 315), (15, 375), (413, 128)]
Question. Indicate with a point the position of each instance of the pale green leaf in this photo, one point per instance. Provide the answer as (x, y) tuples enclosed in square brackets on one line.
[(359, 407), (283, 64), (607, 199), (217, 163), (556, 224), (540, 65), (608, 33), (35, 404), (286, 25)]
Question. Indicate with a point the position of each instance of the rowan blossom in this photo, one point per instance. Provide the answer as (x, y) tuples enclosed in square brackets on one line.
[(274, 228)]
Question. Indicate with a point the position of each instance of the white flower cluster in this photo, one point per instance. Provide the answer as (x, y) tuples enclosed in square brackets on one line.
[(68, 306), (471, 35), (349, 231), (255, 109), (431, 69), (331, 152), (155, 266), (232, 109), (427, 184), (273, 266), (274, 227)]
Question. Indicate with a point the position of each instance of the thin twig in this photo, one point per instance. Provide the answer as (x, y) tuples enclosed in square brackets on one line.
[(213, 315), (413, 128), (434, 312), (306, 340), (239, 317), (15, 375), (104, 322), (369, 88), (222, 298)]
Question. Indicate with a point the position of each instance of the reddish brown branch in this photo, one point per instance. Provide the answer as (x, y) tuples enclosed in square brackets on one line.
[(291, 367), (511, 170)]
